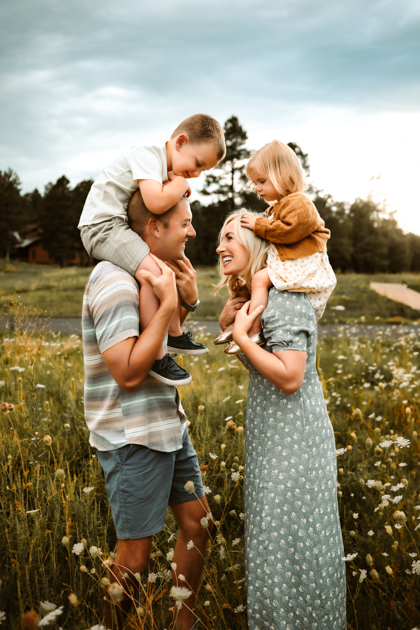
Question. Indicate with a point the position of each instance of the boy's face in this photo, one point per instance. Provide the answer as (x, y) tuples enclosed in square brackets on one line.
[(190, 160)]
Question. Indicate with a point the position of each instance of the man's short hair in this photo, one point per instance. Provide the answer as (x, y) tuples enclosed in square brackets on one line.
[(139, 215), (202, 128)]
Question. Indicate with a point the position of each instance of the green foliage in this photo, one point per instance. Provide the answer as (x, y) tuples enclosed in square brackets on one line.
[(10, 210)]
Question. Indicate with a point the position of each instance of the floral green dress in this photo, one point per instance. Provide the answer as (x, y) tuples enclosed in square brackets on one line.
[(294, 557)]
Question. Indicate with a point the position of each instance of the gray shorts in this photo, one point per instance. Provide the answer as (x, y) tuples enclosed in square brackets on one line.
[(116, 242), (141, 483)]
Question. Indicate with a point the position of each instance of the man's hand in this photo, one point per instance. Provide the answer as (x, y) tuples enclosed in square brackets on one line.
[(164, 286), (185, 279), (244, 321), (230, 310), (248, 221)]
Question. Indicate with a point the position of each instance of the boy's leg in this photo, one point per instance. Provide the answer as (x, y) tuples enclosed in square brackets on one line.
[(261, 285), (174, 329), (149, 303), (132, 557)]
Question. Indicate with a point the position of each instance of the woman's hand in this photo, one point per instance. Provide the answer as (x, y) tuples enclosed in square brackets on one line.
[(230, 310), (244, 321)]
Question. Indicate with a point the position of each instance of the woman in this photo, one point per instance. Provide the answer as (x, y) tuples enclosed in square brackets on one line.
[(294, 551)]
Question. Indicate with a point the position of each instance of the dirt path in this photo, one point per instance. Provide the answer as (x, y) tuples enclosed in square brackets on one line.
[(398, 292)]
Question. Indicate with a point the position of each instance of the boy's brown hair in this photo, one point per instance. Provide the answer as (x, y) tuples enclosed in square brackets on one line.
[(202, 128), (139, 215)]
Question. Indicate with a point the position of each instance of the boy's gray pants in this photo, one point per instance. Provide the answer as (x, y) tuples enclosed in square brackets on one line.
[(116, 242)]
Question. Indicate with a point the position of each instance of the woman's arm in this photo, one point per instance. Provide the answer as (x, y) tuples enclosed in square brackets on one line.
[(285, 369)]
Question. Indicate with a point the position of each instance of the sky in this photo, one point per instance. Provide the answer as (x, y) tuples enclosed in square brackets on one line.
[(82, 80)]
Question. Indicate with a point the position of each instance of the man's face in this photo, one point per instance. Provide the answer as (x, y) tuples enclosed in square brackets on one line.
[(172, 239), (190, 160)]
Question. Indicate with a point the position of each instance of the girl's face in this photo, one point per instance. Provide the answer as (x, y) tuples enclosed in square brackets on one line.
[(265, 188), (233, 255)]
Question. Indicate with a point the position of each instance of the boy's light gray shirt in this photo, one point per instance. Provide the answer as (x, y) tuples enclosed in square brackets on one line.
[(112, 190)]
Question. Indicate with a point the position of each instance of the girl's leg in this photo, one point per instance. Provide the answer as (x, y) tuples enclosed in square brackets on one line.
[(149, 303), (261, 284)]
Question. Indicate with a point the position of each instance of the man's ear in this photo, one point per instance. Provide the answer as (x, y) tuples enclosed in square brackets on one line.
[(180, 141), (154, 227)]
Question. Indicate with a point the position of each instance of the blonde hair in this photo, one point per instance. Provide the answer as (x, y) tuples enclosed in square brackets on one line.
[(256, 247), (280, 164), (202, 128)]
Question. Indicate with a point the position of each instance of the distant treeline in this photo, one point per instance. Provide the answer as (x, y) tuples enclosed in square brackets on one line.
[(365, 238)]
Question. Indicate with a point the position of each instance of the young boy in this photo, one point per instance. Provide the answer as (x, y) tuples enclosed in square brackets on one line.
[(161, 173)]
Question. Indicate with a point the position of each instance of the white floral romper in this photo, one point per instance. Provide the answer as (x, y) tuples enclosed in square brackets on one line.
[(294, 557), (312, 275)]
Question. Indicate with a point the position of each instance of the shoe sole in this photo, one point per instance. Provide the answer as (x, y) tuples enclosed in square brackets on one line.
[(190, 352), (168, 381)]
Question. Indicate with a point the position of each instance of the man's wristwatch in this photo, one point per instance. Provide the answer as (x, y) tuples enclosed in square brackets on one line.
[(190, 307)]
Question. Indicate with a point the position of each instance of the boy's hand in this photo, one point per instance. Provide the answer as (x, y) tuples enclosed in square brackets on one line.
[(185, 279), (172, 176), (248, 221)]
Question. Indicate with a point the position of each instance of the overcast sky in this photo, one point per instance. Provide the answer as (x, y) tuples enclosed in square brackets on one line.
[(82, 79)]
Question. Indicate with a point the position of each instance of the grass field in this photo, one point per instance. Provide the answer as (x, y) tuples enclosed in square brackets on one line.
[(59, 292), (52, 494)]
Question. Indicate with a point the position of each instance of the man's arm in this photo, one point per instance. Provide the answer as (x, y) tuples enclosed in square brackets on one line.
[(129, 361), (160, 198)]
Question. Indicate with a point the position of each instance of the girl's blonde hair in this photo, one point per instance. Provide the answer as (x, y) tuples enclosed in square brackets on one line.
[(280, 164), (256, 247)]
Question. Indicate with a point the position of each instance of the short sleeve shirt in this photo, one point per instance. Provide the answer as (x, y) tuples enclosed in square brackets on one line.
[(151, 415), (112, 190)]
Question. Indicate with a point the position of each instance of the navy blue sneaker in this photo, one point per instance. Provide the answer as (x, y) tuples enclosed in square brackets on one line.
[(185, 344), (169, 372)]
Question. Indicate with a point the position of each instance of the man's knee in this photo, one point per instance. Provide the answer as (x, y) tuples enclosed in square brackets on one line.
[(195, 528)]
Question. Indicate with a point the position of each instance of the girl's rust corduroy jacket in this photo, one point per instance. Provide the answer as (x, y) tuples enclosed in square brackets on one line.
[(296, 228)]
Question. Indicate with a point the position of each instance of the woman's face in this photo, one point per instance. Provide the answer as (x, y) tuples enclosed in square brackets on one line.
[(233, 255)]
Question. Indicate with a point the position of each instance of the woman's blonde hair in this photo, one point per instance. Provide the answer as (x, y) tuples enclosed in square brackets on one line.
[(280, 164), (256, 247)]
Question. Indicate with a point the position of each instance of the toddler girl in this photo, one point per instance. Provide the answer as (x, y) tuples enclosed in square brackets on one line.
[(298, 259)]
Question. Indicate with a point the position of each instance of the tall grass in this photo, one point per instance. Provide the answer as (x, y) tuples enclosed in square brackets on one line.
[(52, 494)]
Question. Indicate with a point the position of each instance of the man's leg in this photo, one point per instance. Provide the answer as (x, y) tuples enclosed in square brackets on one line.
[(189, 562), (132, 557)]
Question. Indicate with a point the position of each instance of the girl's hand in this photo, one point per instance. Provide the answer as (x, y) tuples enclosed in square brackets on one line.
[(248, 221), (243, 323)]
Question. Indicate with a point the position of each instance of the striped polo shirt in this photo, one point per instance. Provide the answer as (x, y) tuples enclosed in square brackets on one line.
[(152, 415)]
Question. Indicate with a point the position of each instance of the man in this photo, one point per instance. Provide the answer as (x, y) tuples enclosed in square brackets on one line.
[(137, 423)]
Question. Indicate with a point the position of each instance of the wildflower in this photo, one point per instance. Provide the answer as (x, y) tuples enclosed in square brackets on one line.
[(374, 575), (60, 474), (239, 401), (105, 581), (388, 529), (47, 440), (32, 511), (415, 567), (95, 552), (137, 576), (369, 442), (78, 548), (352, 533), (40, 386), (97, 626), (207, 603), (204, 522), (350, 557), (371, 483), (189, 487), (173, 566), (386, 444), (180, 593), (201, 408), (73, 599), (152, 578), (235, 476), (83, 568), (402, 442), (340, 451), (236, 542), (369, 559), (190, 545), (181, 577), (400, 517), (65, 540), (232, 513), (206, 490), (239, 609), (170, 555), (67, 426), (209, 587), (217, 498), (389, 570), (140, 611), (50, 617), (397, 499), (88, 489), (47, 607), (371, 533), (355, 515), (363, 575), (213, 455), (115, 591)]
